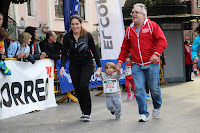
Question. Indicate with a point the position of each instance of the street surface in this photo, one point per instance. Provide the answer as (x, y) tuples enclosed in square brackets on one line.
[(180, 113)]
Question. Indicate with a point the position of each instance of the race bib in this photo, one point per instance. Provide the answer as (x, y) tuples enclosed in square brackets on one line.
[(110, 86), (128, 71)]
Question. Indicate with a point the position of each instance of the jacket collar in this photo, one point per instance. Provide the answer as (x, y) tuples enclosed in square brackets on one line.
[(145, 21)]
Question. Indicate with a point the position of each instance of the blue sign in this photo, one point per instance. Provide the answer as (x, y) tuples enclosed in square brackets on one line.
[(70, 7)]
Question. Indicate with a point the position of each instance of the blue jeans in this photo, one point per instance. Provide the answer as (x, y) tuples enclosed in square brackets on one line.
[(151, 76)]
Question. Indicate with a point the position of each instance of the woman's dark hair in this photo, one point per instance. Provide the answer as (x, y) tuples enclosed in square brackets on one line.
[(75, 17), (197, 29), (61, 36), (83, 31), (31, 30)]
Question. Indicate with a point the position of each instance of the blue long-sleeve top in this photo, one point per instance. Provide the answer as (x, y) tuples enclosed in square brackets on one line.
[(14, 50)]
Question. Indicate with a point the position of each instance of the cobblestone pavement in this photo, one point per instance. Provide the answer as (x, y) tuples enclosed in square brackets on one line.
[(180, 113)]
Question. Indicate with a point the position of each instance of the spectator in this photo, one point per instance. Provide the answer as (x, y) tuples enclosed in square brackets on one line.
[(49, 46), (60, 38), (7, 39), (3, 66), (145, 52), (2, 49), (20, 48), (188, 61), (59, 43), (34, 46)]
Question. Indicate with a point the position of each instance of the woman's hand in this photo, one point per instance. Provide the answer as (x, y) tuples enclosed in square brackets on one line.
[(62, 70), (98, 72), (26, 55)]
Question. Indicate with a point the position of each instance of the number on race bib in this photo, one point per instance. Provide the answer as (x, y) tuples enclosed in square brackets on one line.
[(110, 86)]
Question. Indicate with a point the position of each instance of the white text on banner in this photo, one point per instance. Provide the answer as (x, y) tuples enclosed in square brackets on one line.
[(111, 26)]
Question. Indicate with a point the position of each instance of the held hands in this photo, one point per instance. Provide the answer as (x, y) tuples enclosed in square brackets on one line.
[(154, 58), (62, 70), (98, 72), (196, 59)]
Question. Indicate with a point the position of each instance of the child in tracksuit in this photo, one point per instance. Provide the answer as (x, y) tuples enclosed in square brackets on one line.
[(110, 80), (195, 67), (129, 77), (3, 66)]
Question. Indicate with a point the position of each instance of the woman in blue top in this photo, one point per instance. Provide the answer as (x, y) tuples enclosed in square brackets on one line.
[(20, 48)]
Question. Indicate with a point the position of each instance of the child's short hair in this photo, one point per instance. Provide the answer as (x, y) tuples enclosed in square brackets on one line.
[(129, 56), (110, 64), (24, 36), (2, 34)]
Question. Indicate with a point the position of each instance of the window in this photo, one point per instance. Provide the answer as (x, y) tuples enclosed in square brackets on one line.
[(81, 11), (198, 3), (31, 7), (59, 8)]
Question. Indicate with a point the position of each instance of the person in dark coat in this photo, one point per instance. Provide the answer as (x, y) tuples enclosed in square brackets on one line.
[(49, 46), (34, 45)]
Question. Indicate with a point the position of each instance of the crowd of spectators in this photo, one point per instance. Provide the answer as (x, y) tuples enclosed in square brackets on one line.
[(27, 48)]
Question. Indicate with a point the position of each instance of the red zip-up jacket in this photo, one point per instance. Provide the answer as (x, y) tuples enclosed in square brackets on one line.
[(150, 40), (188, 59)]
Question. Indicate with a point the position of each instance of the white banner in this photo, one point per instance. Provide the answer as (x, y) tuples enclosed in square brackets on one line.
[(29, 87), (111, 26)]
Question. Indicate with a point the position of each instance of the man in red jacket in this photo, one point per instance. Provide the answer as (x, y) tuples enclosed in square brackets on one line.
[(188, 61), (145, 40)]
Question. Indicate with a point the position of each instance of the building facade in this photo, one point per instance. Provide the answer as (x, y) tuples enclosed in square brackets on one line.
[(48, 15)]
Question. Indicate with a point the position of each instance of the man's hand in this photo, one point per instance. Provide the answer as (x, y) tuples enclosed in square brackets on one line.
[(196, 59), (154, 58), (118, 67)]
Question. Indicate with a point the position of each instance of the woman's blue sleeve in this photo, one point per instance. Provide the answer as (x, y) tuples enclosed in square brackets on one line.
[(195, 48)]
